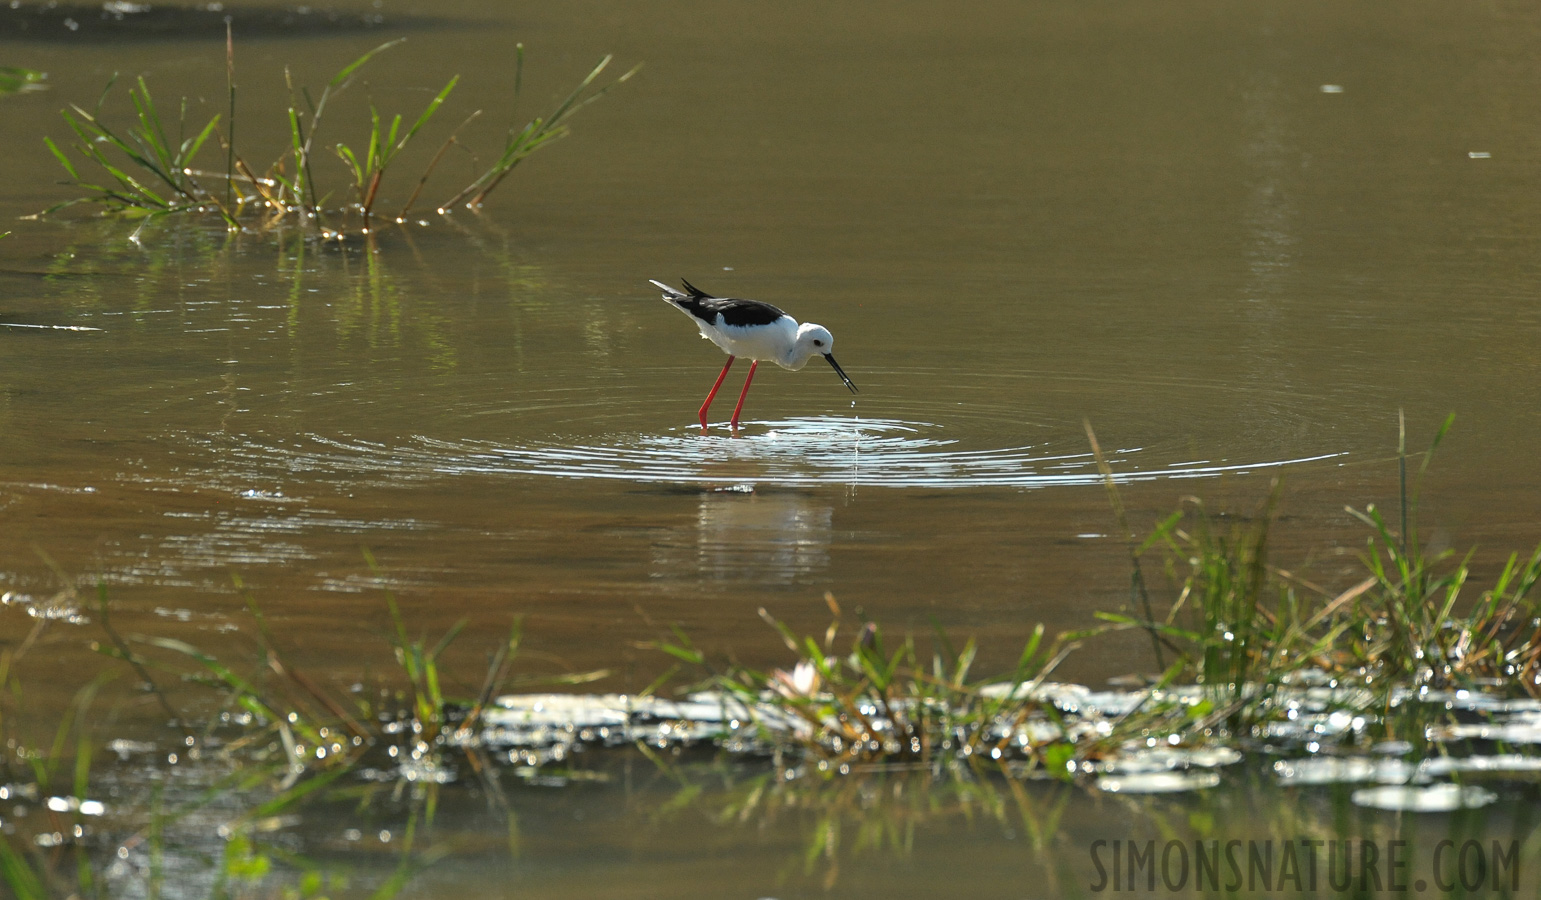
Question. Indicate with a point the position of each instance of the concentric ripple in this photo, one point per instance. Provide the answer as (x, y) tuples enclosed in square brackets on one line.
[(807, 451)]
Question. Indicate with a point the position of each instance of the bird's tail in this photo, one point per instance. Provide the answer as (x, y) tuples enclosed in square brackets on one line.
[(669, 293)]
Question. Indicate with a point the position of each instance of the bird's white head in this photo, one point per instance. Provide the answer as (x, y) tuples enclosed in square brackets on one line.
[(815, 339), (811, 339)]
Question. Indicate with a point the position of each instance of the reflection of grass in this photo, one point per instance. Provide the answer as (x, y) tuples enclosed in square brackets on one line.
[(883, 811), (369, 301), (888, 812), (149, 168)]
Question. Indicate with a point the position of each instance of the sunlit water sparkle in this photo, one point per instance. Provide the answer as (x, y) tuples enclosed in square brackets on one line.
[(792, 452)]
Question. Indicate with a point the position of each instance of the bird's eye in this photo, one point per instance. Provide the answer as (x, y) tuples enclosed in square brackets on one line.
[(818, 343)]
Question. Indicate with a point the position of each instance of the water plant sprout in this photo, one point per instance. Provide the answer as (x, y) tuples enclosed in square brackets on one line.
[(145, 171)]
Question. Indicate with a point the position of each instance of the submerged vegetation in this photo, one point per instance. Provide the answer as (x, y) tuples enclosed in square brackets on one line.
[(150, 168), (1398, 679)]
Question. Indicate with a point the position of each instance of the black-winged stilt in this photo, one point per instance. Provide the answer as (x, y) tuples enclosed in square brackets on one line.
[(753, 330)]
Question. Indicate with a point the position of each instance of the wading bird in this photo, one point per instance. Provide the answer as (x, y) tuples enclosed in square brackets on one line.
[(753, 330)]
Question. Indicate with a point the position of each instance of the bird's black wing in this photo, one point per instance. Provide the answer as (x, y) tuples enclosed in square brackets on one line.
[(733, 311), (746, 312)]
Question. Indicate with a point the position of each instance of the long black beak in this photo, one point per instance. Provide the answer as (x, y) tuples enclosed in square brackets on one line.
[(841, 372)]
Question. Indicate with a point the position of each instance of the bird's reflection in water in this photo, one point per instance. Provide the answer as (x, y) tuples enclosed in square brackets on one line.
[(752, 536)]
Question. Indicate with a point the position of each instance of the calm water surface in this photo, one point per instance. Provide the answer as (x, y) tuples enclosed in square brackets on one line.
[(1014, 218)]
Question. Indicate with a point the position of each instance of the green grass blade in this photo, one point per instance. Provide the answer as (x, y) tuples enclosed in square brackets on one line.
[(433, 107), (572, 99), (152, 130), (352, 67), (344, 151), (449, 638), (389, 140), (17, 874), (372, 149), (1439, 436), (63, 160), (191, 146)]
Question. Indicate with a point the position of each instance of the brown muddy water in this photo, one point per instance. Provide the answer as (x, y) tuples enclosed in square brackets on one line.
[(1237, 238)]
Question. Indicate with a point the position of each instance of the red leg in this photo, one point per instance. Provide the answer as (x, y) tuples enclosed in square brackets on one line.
[(740, 407), (708, 404)]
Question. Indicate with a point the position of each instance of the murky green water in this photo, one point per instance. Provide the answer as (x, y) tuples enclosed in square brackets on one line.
[(1013, 217)]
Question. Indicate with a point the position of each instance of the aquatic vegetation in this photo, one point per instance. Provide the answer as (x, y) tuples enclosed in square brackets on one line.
[(1411, 628), (144, 171), (285, 717), (171, 186), (1243, 627), (831, 714), (279, 738), (1390, 695), (14, 80), (381, 149), (539, 132), (881, 704)]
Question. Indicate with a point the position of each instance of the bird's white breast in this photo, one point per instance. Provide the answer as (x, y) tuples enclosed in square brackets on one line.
[(771, 342)]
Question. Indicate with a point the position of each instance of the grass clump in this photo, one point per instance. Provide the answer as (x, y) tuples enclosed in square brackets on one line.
[(878, 703), (1412, 627), (1248, 631), (1238, 627), (382, 148), (165, 182), (150, 168)]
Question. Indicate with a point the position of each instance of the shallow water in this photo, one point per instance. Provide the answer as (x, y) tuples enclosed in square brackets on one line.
[(1014, 219)]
